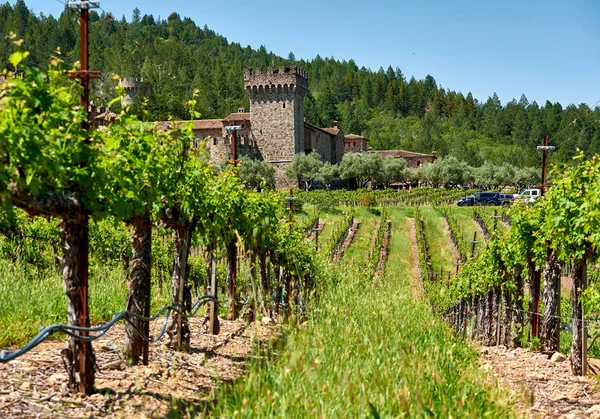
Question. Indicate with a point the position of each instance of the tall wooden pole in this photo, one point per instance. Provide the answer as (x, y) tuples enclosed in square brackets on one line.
[(544, 162), (84, 351), (213, 305), (233, 251)]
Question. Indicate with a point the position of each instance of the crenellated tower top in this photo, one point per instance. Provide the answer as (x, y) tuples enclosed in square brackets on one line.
[(132, 87), (291, 79)]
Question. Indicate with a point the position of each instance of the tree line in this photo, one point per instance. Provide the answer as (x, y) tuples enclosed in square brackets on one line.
[(370, 170), (135, 174), (175, 57)]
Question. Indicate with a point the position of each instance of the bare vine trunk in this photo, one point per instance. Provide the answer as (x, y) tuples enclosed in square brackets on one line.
[(264, 283), (481, 317), (550, 322), (531, 284), (577, 275), (517, 315), (473, 310), (139, 287), (78, 356), (494, 316), (505, 336), (179, 320)]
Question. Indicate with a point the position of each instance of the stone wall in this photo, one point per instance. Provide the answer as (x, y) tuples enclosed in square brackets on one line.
[(277, 114)]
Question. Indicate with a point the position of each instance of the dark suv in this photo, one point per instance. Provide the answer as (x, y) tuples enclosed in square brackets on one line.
[(480, 198)]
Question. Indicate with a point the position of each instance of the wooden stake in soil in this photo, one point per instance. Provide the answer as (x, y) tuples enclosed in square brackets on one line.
[(213, 306)]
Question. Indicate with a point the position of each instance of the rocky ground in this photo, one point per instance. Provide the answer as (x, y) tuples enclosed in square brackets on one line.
[(173, 384), (544, 387)]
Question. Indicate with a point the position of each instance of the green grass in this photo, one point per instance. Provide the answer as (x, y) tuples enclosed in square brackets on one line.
[(440, 244), (358, 252), (332, 223), (367, 352), (464, 218), (28, 303)]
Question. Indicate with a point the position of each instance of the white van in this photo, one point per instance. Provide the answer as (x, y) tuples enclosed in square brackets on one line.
[(529, 195)]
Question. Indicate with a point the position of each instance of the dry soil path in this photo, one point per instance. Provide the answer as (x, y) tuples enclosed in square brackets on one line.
[(34, 385), (543, 388)]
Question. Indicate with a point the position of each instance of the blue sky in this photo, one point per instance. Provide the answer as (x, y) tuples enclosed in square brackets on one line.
[(549, 50)]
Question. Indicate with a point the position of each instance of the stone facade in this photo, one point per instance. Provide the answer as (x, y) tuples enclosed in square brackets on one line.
[(328, 142), (413, 160), (132, 87), (355, 144), (277, 111), (275, 129)]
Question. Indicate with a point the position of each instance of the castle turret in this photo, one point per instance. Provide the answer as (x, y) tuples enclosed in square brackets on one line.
[(132, 88), (277, 113)]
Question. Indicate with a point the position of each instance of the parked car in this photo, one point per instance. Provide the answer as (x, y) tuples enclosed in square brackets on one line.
[(506, 199), (529, 195), (480, 198)]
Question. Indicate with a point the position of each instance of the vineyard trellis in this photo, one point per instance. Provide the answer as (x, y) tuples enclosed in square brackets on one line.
[(143, 179), (557, 234)]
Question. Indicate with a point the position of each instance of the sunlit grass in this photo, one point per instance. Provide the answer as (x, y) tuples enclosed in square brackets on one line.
[(29, 303), (368, 351), (440, 244)]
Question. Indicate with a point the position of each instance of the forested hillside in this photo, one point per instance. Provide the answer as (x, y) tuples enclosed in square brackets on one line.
[(174, 57)]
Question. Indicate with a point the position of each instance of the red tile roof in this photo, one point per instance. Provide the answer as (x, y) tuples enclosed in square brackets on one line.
[(198, 124), (332, 131), (315, 128), (401, 153), (238, 116), (354, 137), (208, 124)]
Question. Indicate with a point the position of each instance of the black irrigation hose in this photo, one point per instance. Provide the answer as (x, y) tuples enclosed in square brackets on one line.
[(6, 356)]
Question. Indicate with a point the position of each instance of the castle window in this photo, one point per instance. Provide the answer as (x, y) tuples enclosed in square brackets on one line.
[(215, 141), (283, 105)]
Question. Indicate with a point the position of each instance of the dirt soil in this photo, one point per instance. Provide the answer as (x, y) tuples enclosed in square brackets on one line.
[(446, 230), (350, 236), (543, 388), (418, 291), (174, 383)]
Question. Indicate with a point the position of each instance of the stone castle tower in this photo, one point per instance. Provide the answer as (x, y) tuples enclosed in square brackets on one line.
[(277, 113), (132, 87)]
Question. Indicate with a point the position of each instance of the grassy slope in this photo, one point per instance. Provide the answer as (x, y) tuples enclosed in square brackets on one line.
[(464, 217), (358, 253), (439, 241), (26, 304), (369, 351)]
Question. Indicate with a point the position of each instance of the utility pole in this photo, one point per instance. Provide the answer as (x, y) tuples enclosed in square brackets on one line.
[(473, 244), (545, 148), (291, 200), (233, 245), (537, 277), (316, 230), (83, 356)]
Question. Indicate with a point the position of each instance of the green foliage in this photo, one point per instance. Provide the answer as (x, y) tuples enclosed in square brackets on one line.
[(306, 168), (378, 198), (256, 174), (364, 167), (392, 111), (398, 346), (44, 149), (392, 171)]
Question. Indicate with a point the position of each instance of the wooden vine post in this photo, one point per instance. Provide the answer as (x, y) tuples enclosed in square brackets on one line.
[(232, 254), (82, 350), (584, 327), (213, 306)]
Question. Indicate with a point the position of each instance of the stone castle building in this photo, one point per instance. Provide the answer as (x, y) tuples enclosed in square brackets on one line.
[(275, 129)]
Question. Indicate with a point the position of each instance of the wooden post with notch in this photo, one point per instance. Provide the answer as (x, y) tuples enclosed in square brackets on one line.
[(84, 356)]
